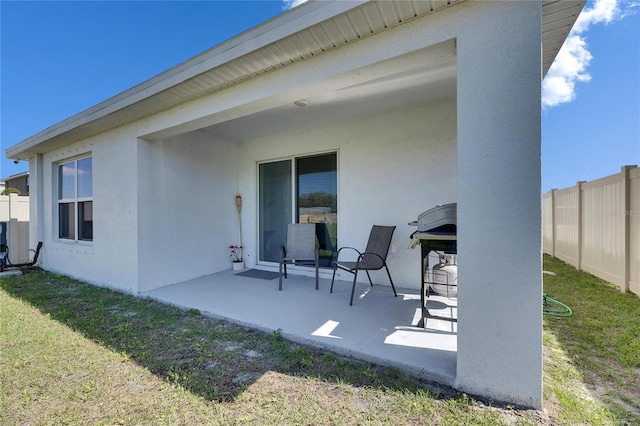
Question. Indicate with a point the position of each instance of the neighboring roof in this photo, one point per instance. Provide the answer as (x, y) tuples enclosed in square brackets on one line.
[(306, 31), (16, 176)]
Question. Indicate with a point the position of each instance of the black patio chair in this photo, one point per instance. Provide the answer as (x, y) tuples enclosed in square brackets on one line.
[(373, 258), (301, 247), (326, 243)]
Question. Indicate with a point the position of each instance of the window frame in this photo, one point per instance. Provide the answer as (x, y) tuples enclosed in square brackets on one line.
[(77, 202), (293, 207)]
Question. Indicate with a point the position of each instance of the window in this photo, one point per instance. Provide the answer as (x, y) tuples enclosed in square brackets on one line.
[(75, 200)]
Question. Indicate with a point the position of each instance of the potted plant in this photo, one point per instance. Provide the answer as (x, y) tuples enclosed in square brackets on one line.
[(236, 257)]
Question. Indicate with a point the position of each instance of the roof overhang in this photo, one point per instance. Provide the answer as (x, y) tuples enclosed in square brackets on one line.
[(304, 32)]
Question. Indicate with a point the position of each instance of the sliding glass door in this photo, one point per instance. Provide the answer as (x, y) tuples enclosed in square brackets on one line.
[(275, 207), (317, 201), (300, 190)]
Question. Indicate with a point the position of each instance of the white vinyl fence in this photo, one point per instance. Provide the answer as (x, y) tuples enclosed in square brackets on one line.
[(14, 226), (595, 226)]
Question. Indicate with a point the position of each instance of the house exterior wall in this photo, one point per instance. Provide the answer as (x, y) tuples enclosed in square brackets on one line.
[(111, 259), (20, 183), (144, 233), (410, 149), (187, 216)]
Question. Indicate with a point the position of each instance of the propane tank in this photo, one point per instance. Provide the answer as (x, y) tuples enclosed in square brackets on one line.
[(445, 276)]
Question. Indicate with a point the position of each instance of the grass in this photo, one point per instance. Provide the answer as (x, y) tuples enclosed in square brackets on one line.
[(72, 353), (594, 376)]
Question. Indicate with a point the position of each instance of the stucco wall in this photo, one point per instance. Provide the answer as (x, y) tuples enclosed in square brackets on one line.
[(390, 168), (499, 207), (110, 260), (164, 211), (187, 213)]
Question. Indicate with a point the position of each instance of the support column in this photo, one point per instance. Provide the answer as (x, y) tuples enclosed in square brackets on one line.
[(499, 203), (36, 203)]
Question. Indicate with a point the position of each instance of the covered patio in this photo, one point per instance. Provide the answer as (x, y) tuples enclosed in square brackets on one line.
[(410, 105), (378, 327)]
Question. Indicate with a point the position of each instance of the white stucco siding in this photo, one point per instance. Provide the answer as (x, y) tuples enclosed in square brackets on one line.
[(187, 214), (499, 240), (111, 259), (391, 167)]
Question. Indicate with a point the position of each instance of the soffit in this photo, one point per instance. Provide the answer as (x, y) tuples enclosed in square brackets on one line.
[(253, 54), (558, 17)]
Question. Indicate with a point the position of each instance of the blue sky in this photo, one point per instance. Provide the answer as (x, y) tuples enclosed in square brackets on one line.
[(60, 58)]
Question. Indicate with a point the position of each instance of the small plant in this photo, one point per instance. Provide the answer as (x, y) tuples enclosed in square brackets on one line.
[(11, 191), (193, 312), (236, 253)]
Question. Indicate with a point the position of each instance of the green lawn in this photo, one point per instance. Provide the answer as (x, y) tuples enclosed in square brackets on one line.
[(596, 351), (72, 353)]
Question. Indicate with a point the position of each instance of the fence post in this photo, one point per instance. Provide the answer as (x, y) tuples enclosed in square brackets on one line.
[(13, 205), (12, 228), (580, 225), (553, 222), (626, 194)]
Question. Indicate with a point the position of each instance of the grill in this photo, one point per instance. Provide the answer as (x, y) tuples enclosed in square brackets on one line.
[(440, 220), (437, 231)]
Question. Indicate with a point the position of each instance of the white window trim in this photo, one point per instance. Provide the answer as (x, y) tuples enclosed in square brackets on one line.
[(75, 201), (293, 159)]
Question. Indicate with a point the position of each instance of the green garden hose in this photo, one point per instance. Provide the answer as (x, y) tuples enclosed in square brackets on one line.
[(554, 307)]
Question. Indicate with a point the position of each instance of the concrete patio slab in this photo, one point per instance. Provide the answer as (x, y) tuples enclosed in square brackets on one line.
[(379, 327)]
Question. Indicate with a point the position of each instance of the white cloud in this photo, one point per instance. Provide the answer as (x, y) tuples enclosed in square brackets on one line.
[(570, 66), (289, 4)]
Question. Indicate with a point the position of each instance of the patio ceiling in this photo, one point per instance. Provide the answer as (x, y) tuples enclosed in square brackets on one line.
[(302, 33), (399, 90)]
